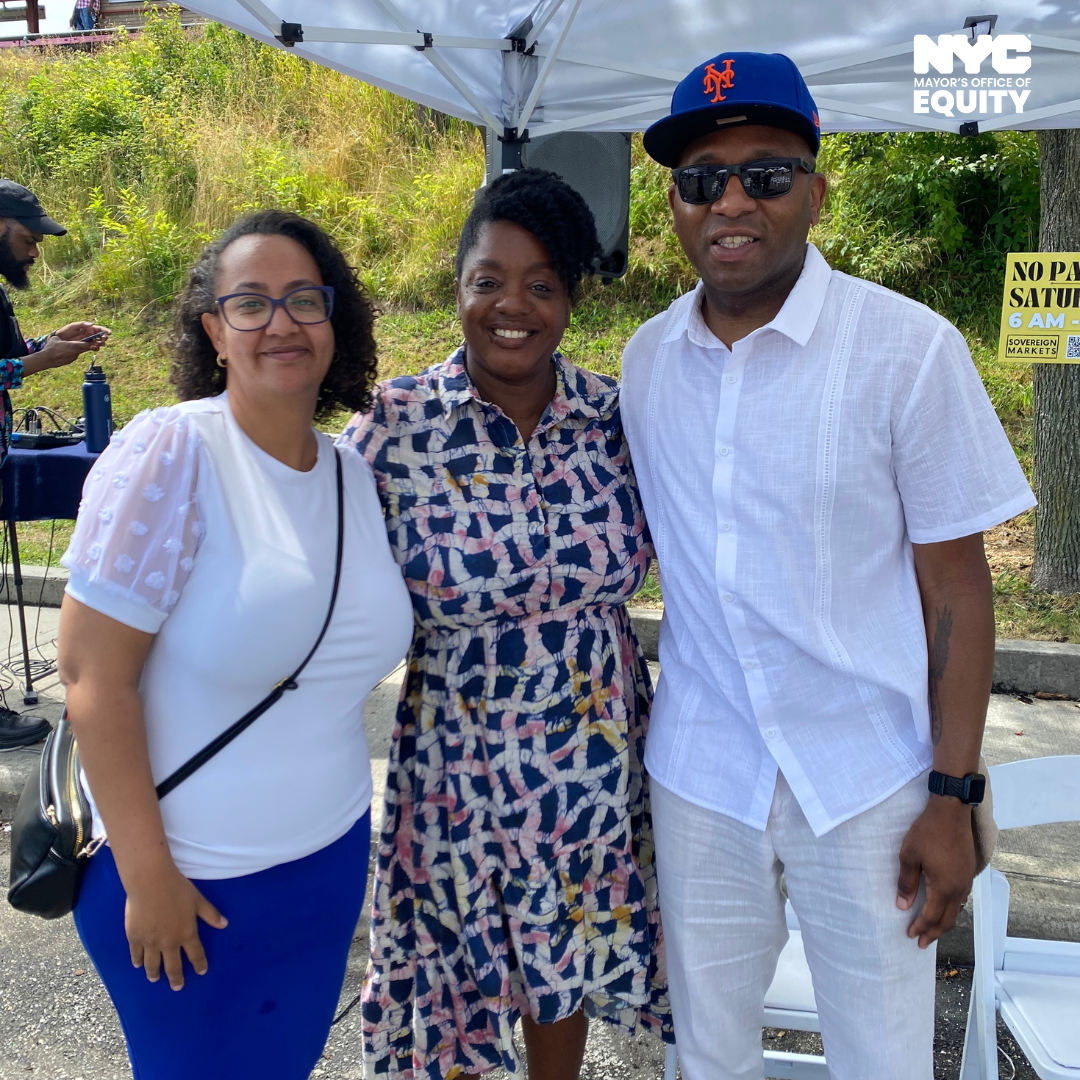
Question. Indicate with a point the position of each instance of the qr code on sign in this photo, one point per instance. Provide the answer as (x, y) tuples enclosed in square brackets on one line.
[(1072, 347)]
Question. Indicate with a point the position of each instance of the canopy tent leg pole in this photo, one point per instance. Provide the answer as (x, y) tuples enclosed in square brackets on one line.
[(503, 154)]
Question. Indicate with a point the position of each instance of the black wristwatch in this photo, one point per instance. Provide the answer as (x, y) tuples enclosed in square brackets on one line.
[(968, 789)]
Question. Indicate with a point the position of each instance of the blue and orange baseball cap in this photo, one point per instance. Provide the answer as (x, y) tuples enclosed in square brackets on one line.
[(731, 89)]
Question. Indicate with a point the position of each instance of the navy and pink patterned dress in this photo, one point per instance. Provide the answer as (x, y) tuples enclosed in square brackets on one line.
[(515, 867)]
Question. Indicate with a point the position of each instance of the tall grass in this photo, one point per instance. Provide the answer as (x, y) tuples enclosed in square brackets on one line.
[(147, 147)]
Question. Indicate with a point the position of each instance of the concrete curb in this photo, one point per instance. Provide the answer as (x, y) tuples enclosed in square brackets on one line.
[(41, 587), (646, 623), (1032, 666), (1025, 667)]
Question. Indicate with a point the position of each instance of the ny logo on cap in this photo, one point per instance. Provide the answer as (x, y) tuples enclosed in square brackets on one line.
[(715, 81)]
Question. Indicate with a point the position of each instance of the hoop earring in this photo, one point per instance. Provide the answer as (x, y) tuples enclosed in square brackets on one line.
[(221, 361)]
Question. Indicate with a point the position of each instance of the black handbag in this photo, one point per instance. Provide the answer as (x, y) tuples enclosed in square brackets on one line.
[(50, 835)]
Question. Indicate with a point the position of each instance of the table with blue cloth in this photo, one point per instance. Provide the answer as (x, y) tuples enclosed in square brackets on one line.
[(44, 485), (40, 485)]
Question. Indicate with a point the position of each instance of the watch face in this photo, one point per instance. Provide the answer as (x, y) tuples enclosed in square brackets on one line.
[(976, 788)]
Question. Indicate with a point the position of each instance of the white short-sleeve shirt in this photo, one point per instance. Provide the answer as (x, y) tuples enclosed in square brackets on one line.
[(235, 604), (784, 481)]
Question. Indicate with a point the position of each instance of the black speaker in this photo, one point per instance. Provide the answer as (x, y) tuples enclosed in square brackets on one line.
[(597, 165)]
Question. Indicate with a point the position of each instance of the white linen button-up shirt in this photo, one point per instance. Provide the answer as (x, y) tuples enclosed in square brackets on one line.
[(784, 481)]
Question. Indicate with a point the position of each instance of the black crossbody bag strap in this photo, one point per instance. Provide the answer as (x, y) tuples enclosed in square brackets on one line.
[(275, 695)]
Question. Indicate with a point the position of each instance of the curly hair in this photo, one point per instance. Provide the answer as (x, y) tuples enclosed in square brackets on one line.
[(545, 205), (349, 381)]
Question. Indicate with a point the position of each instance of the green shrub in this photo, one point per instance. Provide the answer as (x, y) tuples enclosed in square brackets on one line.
[(932, 215), (145, 252)]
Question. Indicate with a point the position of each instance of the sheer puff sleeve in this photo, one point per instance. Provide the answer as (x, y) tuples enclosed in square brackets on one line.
[(139, 527)]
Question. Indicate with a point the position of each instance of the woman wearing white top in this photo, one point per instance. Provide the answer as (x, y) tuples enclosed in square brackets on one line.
[(201, 570)]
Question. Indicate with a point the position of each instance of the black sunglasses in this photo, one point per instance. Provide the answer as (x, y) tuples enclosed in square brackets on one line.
[(768, 178)]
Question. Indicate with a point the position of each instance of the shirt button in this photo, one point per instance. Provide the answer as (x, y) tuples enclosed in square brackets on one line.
[(750, 665), (731, 378), (724, 451), (729, 597), (771, 733), (726, 526)]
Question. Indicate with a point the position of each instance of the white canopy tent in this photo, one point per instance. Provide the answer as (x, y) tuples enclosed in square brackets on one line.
[(611, 65)]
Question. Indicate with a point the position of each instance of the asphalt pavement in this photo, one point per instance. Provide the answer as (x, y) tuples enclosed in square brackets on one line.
[(56, 1020)]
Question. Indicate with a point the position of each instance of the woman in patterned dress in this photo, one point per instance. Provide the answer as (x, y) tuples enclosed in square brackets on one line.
[(515, 874)]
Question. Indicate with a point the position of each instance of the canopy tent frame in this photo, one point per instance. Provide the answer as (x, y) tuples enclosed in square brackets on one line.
[(620, 79), (525, 113), (521, 120), (290, 34)]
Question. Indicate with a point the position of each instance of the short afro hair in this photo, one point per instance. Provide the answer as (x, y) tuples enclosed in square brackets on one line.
[(351, 376), (545, 205)]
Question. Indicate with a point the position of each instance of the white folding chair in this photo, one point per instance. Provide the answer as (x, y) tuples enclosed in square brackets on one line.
[(789, 1004), (1034, 984)]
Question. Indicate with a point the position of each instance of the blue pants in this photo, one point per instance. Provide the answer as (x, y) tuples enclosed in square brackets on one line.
[(84, 19), (264, 1007)]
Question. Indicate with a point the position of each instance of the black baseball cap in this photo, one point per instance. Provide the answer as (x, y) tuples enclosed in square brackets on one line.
[(729, 90), (22, 204)]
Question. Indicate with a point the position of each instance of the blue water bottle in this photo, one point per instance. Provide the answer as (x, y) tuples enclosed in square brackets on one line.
[(97, 410)]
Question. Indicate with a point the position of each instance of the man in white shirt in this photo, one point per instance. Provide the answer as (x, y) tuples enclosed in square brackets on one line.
[(818, 459)]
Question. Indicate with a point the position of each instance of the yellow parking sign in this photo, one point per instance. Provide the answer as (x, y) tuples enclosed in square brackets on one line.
[(1040, 314)]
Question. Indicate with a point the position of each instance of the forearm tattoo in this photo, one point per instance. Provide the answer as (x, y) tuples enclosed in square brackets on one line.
[(939, 657)]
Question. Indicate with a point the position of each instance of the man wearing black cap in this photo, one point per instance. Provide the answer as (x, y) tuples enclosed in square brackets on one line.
[(23, 225), (817, 459)]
